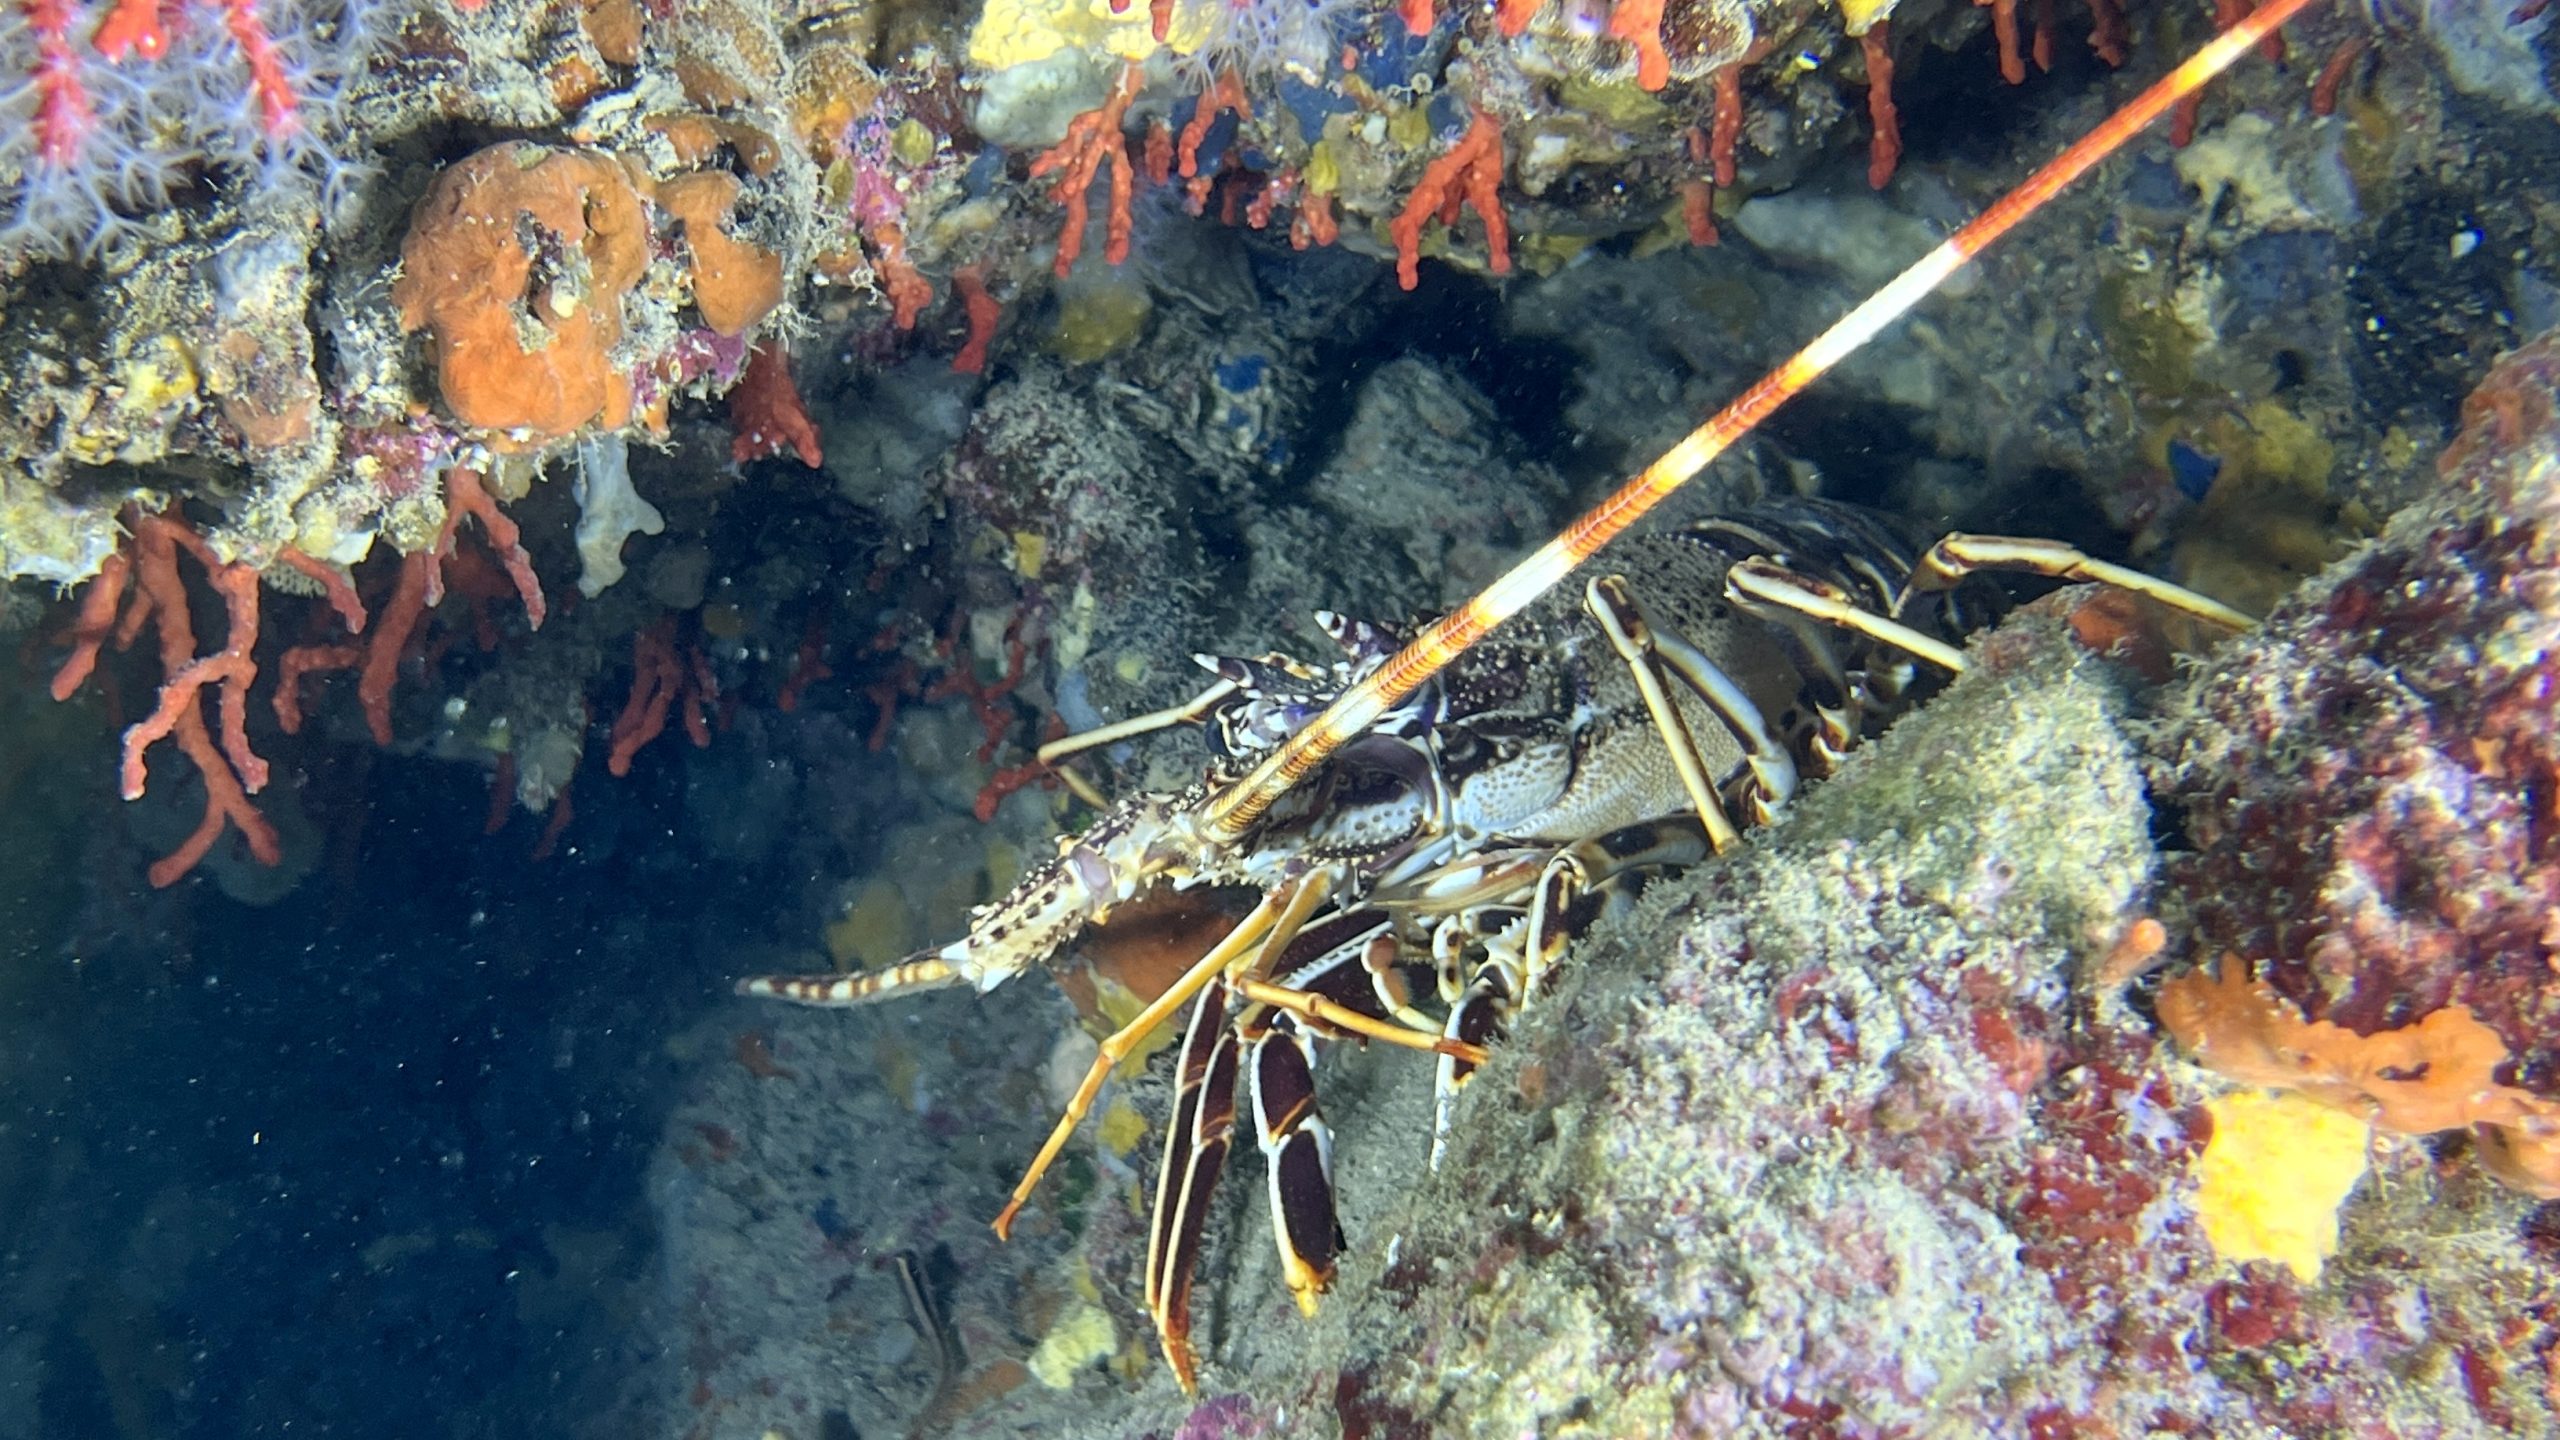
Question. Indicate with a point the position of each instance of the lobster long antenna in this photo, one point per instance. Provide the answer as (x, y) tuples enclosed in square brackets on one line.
[(1229, 814)]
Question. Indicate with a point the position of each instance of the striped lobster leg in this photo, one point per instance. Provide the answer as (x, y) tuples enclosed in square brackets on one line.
[(1343, 976)]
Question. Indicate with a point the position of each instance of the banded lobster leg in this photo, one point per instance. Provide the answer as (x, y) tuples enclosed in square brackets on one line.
[(1344, 975), (1520, 958), (1771, 589)]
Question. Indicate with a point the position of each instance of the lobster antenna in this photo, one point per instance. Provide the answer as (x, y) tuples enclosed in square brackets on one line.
[(1230, 813)]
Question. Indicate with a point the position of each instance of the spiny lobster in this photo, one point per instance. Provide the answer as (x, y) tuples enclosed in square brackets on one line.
[(1434, 815)]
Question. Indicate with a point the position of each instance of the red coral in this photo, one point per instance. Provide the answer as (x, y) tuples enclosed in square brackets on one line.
[(982, 311), (661, 676), (1093, 139), (1884, 148), (231, 770), (1469, 173), (766, 416)]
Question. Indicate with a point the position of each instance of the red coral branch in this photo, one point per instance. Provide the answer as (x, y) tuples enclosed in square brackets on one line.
[(1471, 172), (982, 311), (1639, 23), (1008, 780), (808, 667), (391, 632), (1728, 122), (2333, 76), (909, 292), (1885, 149), (334, 582), (958, 678), (2004, 27), (62, 112), (302, 660), (660, 677), (766, 416), (1093, 138), (464, 495), (279, 109), (2107, 35), (158, 538), (133, 27), (232, 771), (95, 621), (1697, 199), (1315, 224), (1225, 94)]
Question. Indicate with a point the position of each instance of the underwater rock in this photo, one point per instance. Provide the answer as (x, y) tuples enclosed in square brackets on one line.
[(2369, 780)]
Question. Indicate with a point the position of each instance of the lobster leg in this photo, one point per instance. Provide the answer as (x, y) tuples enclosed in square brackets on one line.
[(1338, 976), (1761, 587), (1154, 720), (1957, 556), (1519, 960), (1773, 770), (1505, 982), (1196, 1140), (1065, 745), (1297, 1159), (1272, 922), (1611, 605)]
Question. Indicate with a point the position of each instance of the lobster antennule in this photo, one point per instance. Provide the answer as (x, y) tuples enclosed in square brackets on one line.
[(1234, 810), (912, 976)]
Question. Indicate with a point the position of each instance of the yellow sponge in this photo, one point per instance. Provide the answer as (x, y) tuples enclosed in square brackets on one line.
[(2273, 1176), (1021, 32), (1859, 16)]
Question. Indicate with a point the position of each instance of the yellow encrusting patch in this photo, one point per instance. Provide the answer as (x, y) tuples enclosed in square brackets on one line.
[(2271, 1179), (1859, 16), (1123, 1127), (1082, 1336), (1020, 32)]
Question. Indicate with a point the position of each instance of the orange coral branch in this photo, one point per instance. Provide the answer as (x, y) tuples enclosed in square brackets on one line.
[(661, 676), (302, 660), (1513, 16), (1315, 224), (391, 632), (1697, 200), (1093, 138), (333, 582), (1418, 16), (2004, 28), (157, 538), (1470, 171), (232, 772), (2107, 37), (2333, 76)]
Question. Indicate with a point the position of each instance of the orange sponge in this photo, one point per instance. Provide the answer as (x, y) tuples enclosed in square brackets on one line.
[(735, 282), (2436, 1074), (516, 264)]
